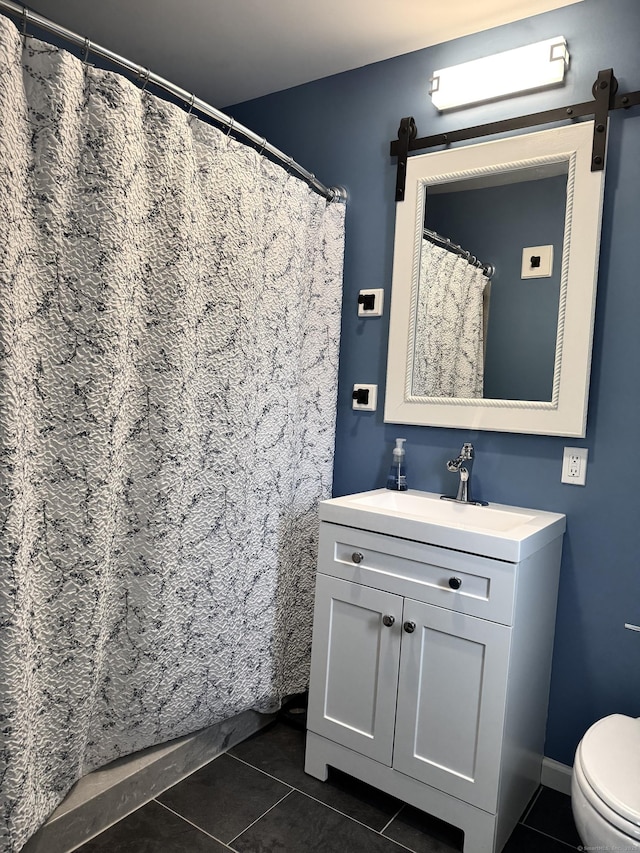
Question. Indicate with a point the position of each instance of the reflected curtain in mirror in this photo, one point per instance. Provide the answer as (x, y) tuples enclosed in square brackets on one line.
[(448, 355)]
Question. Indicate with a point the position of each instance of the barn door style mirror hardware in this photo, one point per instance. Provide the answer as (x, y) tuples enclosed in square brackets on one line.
[(605, 98)]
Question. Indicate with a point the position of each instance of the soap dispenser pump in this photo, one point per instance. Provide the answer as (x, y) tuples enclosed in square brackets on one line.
[(397, 479)]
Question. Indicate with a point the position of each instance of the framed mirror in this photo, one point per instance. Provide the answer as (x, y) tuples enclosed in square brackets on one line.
[(494, 285)]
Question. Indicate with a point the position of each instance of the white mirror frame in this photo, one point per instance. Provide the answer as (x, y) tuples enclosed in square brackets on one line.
[(566, 414)]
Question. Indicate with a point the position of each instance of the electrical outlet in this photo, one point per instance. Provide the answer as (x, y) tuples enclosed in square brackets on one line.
[(370, 303), (574, 466), (365, 397)]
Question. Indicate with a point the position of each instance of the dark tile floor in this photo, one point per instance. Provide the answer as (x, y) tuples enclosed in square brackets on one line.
[(258, 799)]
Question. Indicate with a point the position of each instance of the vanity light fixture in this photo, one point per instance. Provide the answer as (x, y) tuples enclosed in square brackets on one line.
[(534, 66)]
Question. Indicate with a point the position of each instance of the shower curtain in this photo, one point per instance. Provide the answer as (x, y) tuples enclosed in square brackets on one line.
[(449, 339), (169, 324)]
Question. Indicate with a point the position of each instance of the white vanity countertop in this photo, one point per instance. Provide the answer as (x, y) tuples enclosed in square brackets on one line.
[(503, 532)]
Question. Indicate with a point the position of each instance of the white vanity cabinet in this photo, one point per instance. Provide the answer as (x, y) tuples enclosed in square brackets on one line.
[(430, 668)]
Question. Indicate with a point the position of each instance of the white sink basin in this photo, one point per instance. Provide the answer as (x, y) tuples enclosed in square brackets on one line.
[(504, 532), (428, 507)]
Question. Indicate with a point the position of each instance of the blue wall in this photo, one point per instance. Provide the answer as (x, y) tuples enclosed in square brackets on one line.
[(340, 128)]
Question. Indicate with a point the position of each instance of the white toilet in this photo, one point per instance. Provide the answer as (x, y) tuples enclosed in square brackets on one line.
[(605, 788)]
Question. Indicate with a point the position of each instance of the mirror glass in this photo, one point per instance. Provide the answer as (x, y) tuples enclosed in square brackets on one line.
[(493, 221), (495, 266)]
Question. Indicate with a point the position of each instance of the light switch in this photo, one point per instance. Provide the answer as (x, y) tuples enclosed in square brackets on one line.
[(537, 262)]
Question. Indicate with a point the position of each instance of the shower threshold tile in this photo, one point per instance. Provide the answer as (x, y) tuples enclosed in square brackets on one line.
[(109, 793), (224, 797), (152, 829)]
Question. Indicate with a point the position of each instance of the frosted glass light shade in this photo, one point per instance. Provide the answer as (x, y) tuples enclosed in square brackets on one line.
[(534, 66)]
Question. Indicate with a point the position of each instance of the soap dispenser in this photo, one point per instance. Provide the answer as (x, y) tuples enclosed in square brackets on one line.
[(397, 479)]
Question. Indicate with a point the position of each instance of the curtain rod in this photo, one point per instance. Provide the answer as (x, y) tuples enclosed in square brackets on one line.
[(190, 100), (445, 242)]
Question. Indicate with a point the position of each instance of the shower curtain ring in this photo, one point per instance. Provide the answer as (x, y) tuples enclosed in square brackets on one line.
[(146, 79), (264, 142), (288, 161), (191, 103), (25, 19), (86, 50)]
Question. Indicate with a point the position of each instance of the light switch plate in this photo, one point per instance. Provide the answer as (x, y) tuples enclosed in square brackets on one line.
[(373, 398), (378, 297), (545, 262)]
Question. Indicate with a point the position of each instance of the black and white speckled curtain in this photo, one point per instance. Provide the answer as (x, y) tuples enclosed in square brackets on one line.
[(169, 324), (449, 335)]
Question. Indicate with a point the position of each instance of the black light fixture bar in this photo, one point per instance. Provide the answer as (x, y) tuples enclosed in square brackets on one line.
[(605, 99)]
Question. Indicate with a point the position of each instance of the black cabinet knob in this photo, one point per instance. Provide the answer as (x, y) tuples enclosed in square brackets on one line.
[(455, 583), (357, 557), (409, 627), (388, 621)]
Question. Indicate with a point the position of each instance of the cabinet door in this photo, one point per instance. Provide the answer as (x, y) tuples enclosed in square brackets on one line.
[(354, 666), (451, 702)]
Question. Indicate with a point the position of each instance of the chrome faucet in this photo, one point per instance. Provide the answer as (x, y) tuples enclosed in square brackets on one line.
[(463, 465)]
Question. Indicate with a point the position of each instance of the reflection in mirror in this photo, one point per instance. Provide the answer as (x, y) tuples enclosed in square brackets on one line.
[(481, 337), (514, 356), (450, 322)]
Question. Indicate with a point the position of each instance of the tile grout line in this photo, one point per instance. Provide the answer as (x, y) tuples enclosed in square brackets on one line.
[(366, 826), (253, 822), (391, 820), (304, 794), (264, 773), (320, 802), (359, 822), (191, 823), (531, 805), (553, 837)]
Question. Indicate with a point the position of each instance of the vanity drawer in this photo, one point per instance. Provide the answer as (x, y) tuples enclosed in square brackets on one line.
[(423, 572)]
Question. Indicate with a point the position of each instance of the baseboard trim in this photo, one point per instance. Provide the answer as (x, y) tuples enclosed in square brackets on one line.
[(556, 775)]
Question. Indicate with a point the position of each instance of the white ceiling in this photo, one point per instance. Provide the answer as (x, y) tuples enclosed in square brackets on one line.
[(228, 51)]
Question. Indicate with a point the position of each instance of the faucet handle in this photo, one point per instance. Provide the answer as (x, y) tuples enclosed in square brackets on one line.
[(466, 455)]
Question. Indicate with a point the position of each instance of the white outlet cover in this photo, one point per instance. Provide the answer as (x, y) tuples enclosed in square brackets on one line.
[(574, 466), (545, 253)]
